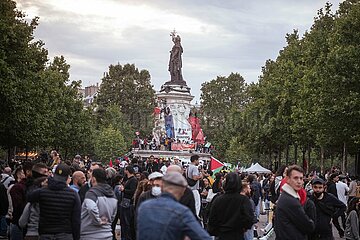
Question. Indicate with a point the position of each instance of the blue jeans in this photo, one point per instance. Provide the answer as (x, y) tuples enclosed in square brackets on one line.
[(15, 232), (249, 234), (3, 226), (257, 209)]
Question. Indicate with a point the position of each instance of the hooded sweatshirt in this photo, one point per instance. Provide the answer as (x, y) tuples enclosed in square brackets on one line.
[(98, 212), (230, 213)]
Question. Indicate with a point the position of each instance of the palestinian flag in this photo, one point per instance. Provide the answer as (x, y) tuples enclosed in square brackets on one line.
[(215, 165)]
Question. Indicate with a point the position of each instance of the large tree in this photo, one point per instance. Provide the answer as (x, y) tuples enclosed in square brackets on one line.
[(131, 90), (22, 59), (221, 100), (109, 144), (38, 104)]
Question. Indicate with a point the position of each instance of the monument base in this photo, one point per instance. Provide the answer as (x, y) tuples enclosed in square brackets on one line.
[(176, 99), (183, 155), (174, 87)]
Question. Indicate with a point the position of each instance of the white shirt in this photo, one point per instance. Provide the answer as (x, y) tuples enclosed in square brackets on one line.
[(163, 169), (342, 189)]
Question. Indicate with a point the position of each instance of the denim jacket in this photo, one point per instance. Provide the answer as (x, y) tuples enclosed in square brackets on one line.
[(164, 218)]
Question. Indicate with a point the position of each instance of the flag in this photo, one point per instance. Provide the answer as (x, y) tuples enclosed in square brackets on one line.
[(157, 110), (197, 133), (215, 165), (200, 137), (110, 163)]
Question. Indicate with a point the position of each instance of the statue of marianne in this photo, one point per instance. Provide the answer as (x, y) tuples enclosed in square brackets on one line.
[(175, 63)]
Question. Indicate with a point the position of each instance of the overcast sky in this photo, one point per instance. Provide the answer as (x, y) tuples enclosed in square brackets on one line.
[(218, 36)]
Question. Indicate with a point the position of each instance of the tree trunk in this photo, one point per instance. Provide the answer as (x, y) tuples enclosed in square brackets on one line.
[(279, 160), (303, 157), (295, 153), (322, 153), (8, 155), (309, 159), (270, 161), (287, 154), (344, 160), (331, 160)]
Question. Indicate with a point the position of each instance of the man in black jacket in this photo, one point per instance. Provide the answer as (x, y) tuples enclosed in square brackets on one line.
[(59, 207), (326, 205), (85, 187), (127, 207), (291, 221)]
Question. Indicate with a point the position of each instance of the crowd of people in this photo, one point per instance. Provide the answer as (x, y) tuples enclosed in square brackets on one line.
[(164, 144), (166, 200)]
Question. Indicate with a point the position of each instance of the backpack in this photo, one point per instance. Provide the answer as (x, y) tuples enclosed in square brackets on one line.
[(190, 181)]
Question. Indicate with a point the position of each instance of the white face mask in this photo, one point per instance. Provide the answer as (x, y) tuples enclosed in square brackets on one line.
[(156, 191)]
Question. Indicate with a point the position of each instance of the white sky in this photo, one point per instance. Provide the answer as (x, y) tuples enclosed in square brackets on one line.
[(218, 37)]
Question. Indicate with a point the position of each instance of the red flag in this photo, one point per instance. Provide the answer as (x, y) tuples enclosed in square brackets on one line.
[(200, 137), (157, 110), (215, 164), (110, 163)]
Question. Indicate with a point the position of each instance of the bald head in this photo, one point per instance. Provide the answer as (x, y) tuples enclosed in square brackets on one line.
[(174, 168), (7, 170), (78, 178)]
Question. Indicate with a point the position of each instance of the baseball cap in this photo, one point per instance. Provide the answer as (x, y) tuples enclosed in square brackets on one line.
[(62, 172), (317, 180), (77, 156), (155, 175), (175, 178)]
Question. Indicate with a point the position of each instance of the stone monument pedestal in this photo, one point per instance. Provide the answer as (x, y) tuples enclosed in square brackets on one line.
[(177, 100)]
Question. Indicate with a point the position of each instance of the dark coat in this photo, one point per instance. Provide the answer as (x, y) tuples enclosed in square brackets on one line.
[(18, 198), (291, 221), (230, 213), (331, 188), (4, 202), (130, 188), (188, 200), (83, 190), (59, 209), (325, 209)]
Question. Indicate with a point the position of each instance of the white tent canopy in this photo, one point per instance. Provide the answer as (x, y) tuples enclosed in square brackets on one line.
[(257, 168)]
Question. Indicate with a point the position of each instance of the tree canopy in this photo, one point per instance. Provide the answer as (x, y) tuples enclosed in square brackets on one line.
[(307, 99)]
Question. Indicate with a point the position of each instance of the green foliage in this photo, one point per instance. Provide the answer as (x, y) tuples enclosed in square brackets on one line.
[(38, 105), (131, 90), (21, 60), (114, 117), (221, 100), (109, 144), (306, 100)]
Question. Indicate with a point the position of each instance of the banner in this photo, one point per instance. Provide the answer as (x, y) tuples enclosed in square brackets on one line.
[(169, 126), (182, 146), (197, 134)]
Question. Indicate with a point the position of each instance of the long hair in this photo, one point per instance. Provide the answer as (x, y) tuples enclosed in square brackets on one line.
[(352, 205)]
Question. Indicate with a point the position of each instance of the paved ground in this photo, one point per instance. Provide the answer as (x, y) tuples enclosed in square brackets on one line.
[(262, 225)]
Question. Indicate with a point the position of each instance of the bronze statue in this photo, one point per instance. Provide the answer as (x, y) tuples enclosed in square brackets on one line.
[(175, 63)]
